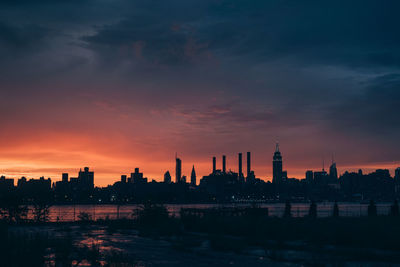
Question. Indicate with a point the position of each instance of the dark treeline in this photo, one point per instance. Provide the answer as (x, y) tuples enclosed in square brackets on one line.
[(225, 229)]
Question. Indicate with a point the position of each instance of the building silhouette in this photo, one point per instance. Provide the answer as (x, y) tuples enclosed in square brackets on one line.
[(137, 177), (193, 177), (214, 164), (321, 177), (65, 177), (240, 168), (397, 174), (178, 170), (277, 175), (397, 180), (86, 178), (248, 164), (333, 174), (309, 177), (6, 184), (224, 164), (167, 177)]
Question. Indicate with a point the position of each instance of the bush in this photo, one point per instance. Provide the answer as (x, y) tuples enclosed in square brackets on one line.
[(84, 217)]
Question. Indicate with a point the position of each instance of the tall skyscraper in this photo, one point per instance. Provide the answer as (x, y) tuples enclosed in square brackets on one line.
[(333, 175), (214, 164), (224, 164), (248, 164), (193, 177), (277, 166), (240, 171), (178, 170)]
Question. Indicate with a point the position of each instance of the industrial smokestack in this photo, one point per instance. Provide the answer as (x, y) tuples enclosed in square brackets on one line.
[(240, 165), (248, 164), (224, 164), (214, 164)]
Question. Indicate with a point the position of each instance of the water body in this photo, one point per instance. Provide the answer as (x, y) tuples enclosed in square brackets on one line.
[(69, 213)]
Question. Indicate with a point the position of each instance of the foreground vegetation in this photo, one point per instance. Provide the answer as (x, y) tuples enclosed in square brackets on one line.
[(234, 230)]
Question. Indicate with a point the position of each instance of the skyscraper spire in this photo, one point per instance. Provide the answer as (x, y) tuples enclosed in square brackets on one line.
[(277, 173), (193, 177)]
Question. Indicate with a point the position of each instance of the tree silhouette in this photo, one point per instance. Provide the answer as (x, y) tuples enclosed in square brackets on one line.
[(288, 210), (313, 210), (335, 210), (372, 209), (394, 209)]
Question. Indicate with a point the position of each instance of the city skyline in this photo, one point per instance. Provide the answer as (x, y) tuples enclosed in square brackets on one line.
[(231, 164)]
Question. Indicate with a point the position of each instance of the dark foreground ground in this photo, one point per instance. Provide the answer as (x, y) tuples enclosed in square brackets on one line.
[(204, 239)]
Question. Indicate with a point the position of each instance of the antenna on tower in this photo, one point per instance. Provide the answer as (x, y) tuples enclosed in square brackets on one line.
[(277, 146), (323, 164)]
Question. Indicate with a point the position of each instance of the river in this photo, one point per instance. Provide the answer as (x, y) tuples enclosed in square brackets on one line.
[(68, 213)]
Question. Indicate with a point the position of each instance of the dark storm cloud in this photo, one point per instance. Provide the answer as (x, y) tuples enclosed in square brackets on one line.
[(355, 34), (375, 111)]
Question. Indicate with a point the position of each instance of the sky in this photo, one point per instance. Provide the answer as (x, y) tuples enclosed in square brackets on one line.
[(119, 84)]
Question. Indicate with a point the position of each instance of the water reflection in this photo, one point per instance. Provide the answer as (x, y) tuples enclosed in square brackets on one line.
[(68, 213)]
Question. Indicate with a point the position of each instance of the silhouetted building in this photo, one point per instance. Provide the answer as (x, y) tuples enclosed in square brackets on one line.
[(321, 177), (183, 179), (86, 178), (333, 175), (123, 179), (6, 184), (178, 170), (214, 164), (277, 166), (284, 175), (397, 180), (223, 163), (240, 169), (248, 164), (34, 188), (21, 181), (137, 177), (193, 177), (309, 176), (251, 178), (167, 178), (397, 174), (65, 177)]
